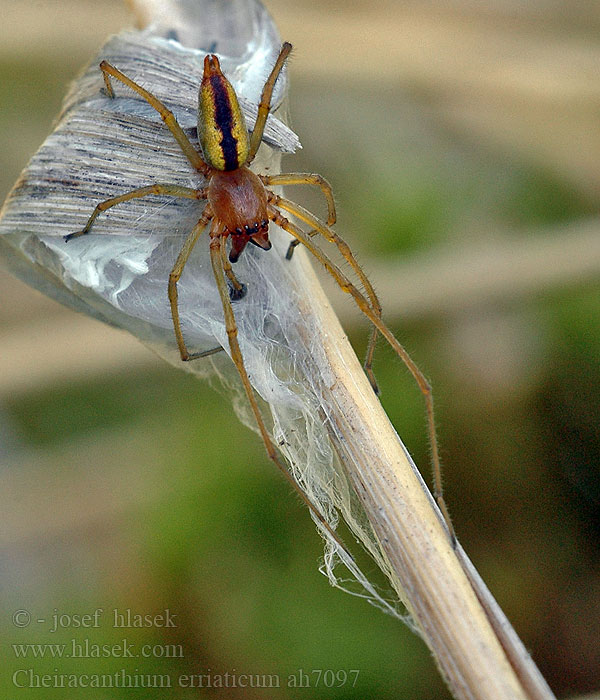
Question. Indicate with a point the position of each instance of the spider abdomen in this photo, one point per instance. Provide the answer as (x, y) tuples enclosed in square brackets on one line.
[(238, 200), (221, 127)]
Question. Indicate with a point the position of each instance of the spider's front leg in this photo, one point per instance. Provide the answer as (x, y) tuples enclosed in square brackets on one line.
[(304, 179), (237, 289), (174, 278), (375, 318), (217, 256), (318, 227)]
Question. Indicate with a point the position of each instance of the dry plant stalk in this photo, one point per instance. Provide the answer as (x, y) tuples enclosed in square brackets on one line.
[(325, 416), (473, 643)]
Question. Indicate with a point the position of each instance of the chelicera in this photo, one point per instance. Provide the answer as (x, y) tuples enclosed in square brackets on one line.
[(239, 207)]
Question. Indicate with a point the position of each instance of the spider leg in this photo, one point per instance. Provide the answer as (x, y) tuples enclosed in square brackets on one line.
[(207, 353), (165, 114), (306, 179), (175, 276), (362, 303), (171, 190), (265, 102), (217, 255), (318, 227), (238, 290)]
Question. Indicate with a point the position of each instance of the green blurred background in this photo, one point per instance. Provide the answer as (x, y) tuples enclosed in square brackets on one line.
[(462, 142)]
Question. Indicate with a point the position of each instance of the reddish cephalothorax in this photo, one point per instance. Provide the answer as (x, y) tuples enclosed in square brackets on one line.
[(239, 208), (239, 201)]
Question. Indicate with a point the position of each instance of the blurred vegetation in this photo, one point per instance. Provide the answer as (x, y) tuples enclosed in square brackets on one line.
[(214, 535)]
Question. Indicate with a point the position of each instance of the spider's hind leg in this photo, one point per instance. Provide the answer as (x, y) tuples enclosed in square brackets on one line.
[(165, 114), (265, 101), (170, 190)]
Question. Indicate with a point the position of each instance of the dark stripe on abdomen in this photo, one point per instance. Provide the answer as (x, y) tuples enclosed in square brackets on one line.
[(224, 120)]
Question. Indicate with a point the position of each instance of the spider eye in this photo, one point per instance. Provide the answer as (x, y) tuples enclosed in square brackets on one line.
[(239, 231), (264, 224)]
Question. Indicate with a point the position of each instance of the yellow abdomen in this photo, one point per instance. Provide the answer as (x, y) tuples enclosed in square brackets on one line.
[(221, 126)]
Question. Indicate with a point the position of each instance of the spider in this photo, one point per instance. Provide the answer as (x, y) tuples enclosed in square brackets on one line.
[(239, 208)]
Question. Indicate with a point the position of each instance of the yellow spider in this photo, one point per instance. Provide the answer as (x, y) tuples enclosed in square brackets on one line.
[(239, 207)]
